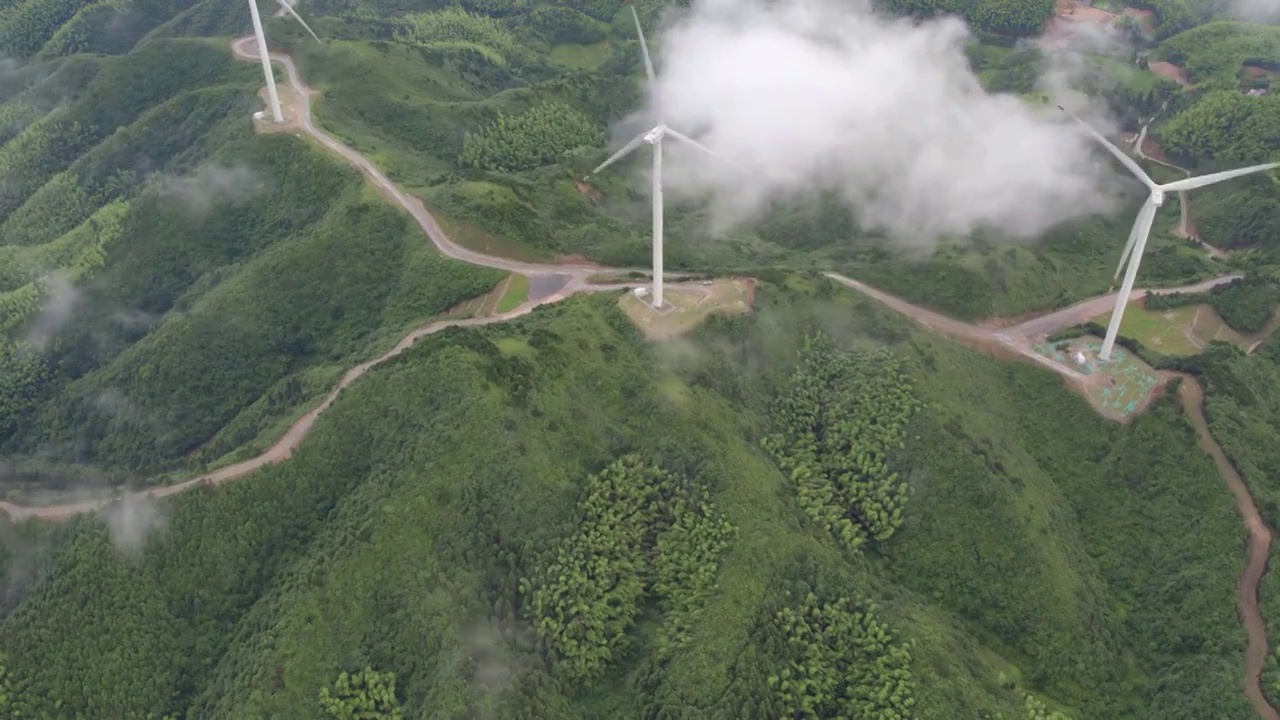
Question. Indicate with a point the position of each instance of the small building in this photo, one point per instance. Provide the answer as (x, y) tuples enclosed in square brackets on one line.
[(641, 292), (1080, 358)]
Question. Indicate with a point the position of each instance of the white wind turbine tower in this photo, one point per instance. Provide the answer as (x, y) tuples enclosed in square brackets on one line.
[(655, 137), (261, 37), (1146, 216)]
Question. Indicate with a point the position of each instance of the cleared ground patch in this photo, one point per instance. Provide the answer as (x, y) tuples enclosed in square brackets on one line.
[(1171, 71), (689, 305), (1166, 331), (288, 108)]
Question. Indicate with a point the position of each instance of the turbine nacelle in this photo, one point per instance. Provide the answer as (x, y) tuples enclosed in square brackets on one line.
[(654, 136), (1131, 256)]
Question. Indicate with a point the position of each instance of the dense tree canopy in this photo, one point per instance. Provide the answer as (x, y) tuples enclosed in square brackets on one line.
[(1227, 126), (363, 695), (1012, 17), (840, 418), (1215, 54), (539, 136)]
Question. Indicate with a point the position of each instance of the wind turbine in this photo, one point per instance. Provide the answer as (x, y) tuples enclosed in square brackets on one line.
[(1132, 253), (261, 37), (654, 137)]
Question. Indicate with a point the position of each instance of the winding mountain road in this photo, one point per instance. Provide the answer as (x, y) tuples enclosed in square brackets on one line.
[(1014, 341)]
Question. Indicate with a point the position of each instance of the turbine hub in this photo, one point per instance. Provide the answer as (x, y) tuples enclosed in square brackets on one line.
[(1157, 197), (654, 136)]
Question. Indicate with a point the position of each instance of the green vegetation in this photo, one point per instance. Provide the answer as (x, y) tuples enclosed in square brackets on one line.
[(536, 137), (1243, 413), (1227, 125), (501, 148), (586, 599), (397, 537), (1157, 326), (1246, 216), (1247, 304), (364, 695), (841, 415), (1215, 54), (1217, 124), (844, 663), (516, 292), (183, 312), (814, 510), (1008, 17)]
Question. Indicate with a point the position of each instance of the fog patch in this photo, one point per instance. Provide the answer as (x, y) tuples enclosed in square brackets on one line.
[(814, 95), (130, 520), (1071, 62), (57, 307), (211, 184), (495, 654), (1263, 11)]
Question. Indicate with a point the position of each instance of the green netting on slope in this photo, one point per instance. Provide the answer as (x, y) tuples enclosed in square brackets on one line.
[(1132, 380)]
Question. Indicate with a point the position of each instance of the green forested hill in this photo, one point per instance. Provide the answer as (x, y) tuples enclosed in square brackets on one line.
[(1039, 546), (814, 511), (187, 252)]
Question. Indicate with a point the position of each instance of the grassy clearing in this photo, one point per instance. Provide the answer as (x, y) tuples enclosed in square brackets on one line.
[(516, 292), (1206, 326), (581, 57), (1137, 80), (475, 238), (1165, 331)]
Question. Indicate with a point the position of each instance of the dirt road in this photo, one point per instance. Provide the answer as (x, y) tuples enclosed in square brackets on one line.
[(1012, 341), (1019, 338), (1191, 393), (1186, 228)]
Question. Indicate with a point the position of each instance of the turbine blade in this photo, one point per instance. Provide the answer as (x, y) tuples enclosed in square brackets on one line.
[(1128, 246), (706, 150), (626, 150), (1192, 183), (1119, 154), (1146, 217), (289, 9), (644, 47)]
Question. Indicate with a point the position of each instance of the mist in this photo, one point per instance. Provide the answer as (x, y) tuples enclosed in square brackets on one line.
[(57, 307), (1263, 11), (809, 95), (210, 185), (130, 520), (1068, 64)]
